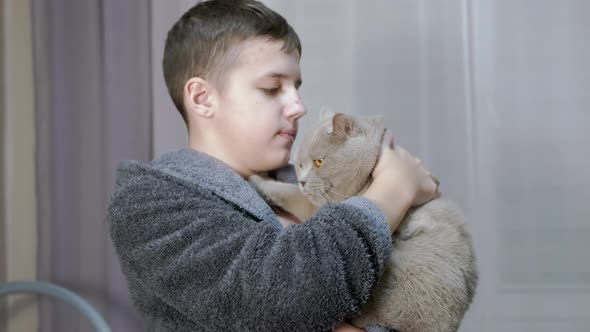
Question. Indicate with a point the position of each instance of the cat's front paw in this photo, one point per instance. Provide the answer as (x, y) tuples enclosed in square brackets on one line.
[(262, 185), (413, 228), (258, 183)]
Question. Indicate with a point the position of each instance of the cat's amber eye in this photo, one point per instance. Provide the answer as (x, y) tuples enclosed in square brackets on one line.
[(318, 162)]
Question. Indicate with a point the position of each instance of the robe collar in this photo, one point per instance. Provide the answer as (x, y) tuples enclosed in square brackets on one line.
[(202, 170)]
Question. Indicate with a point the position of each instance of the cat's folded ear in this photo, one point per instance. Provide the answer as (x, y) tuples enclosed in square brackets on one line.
[(344, 126)]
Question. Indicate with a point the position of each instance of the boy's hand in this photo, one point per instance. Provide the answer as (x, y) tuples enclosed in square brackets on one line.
[(399, 181)]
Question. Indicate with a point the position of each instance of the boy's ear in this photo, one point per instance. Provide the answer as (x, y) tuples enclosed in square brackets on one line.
[(198, 95)]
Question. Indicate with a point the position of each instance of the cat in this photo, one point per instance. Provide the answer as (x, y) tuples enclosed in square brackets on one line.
[(431, 275)]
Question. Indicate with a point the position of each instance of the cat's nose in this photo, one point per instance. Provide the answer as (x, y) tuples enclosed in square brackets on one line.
[(302, 183)]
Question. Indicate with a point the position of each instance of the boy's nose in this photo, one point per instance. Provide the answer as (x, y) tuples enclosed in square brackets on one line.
[(296, 109)]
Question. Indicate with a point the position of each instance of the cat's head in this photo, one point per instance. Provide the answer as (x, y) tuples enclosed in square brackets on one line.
[(335, 158)]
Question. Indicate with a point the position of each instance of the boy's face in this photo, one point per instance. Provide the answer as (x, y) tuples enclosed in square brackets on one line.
[(256, 113)]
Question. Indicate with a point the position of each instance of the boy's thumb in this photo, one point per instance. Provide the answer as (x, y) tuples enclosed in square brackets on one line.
[(387, 140)]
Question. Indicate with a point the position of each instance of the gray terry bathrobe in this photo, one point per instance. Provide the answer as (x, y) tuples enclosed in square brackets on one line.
[(202, 251)]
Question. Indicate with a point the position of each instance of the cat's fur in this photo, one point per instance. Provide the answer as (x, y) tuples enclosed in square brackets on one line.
[(431, 276)]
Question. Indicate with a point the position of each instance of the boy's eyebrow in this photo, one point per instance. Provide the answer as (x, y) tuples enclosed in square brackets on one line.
[(298, 81)]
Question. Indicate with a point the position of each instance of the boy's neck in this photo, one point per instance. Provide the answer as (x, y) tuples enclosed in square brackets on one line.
[(204, 145)]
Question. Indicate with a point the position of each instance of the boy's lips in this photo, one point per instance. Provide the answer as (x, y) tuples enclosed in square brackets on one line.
[(289, 134)]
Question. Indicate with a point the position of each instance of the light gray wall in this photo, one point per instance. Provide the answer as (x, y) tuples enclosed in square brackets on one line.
[(531, 100)]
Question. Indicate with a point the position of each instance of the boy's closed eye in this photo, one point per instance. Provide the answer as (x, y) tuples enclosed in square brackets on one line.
[(274, 86), (271, 91)]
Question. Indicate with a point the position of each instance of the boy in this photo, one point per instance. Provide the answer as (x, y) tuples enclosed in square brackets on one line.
[(200, 249)]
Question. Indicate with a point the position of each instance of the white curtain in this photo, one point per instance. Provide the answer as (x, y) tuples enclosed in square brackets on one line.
[(494, 96)]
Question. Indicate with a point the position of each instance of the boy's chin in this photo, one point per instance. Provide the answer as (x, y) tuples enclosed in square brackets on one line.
[(277, 161)]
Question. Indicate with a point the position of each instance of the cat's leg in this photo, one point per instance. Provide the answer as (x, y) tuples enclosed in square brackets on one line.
[(285, 195), (413, 225), (426, 217), (431, 275)]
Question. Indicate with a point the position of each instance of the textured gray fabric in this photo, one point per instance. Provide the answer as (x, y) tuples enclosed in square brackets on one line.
[(203, 252)]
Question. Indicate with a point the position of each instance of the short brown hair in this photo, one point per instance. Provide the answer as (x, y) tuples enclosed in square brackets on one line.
[(199, 44)]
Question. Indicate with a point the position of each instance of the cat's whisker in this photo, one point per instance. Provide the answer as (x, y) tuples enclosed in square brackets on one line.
[(323, 189), (335, 192), (316, 186), (328, 197)]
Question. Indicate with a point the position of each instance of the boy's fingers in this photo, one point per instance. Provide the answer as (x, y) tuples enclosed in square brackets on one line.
[(436, 180), (387, 140)]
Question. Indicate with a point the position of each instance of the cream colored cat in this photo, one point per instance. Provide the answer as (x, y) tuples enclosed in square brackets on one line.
[(430, 279)]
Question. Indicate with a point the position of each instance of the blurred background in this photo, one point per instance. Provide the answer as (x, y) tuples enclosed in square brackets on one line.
[(493, 95)]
